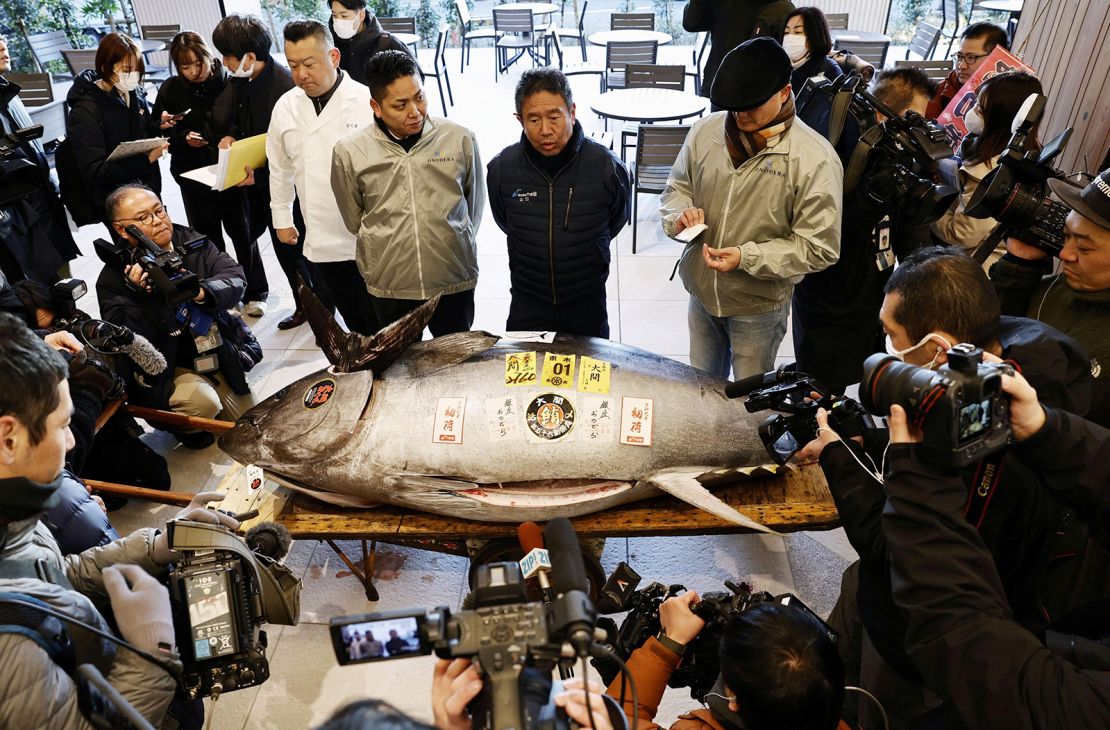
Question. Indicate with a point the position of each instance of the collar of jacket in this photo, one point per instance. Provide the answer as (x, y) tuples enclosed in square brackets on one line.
[(558, 162), (85, 85), (359, 41), (211, 87), (21, 498), (781, 147), (376, 131), (1097, 298)]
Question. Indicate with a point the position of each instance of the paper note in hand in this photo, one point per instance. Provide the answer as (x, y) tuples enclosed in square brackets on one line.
[(228, 172), (689, 234), (134, 147)]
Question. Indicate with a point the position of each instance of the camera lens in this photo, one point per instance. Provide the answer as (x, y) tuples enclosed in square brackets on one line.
[(929, 201), (887, 381)]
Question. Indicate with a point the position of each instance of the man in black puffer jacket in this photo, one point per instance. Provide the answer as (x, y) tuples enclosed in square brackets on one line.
[(560, 198), (193, 384)]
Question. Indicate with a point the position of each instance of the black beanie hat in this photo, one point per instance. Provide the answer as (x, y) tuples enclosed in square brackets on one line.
[(750, 74)]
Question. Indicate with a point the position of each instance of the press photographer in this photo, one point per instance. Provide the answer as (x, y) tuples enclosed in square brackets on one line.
[(35, 241), (962, 634), (178, 299), (1080, 304), (937, 298)]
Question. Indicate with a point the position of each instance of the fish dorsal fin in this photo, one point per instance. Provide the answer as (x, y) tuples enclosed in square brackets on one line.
[(350, 351), (683, 483), (433, 355)]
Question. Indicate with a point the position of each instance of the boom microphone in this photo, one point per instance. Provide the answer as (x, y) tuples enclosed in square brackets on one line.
[(112, 339), (572, 615), (752, 383)]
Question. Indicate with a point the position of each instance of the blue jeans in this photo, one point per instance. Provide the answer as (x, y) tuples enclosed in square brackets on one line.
[(746, 342)]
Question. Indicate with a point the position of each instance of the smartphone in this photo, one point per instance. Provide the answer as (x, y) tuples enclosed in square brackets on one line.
[(375, 637), (179, 117)]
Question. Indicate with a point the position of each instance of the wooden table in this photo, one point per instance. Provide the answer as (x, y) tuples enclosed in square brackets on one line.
[(797, 500), (649, 105), (605, 37)]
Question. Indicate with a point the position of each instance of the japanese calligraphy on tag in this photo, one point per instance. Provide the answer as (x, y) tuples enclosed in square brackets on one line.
[(520, 368), (593, 376), (504, 418), (598, 419), (636, 418), (558, 370), (450, 413), (550, 416)]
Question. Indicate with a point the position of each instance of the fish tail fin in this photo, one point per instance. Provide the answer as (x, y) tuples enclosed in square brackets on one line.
[(350, 351), (684, 485)]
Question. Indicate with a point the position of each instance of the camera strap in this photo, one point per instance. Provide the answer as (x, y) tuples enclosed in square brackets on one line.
[(986, 248), (40, 569), (987, 476)]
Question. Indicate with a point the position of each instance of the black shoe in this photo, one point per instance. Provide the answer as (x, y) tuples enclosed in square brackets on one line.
[(196, 439), (296, 319)]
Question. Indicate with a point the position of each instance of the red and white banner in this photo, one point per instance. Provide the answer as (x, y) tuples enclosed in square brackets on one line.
[(952, 118)]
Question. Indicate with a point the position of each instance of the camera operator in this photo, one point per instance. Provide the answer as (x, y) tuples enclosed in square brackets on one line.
[(962, 635), (936, 298), (778, 668), (128, 298), (1080, 304), (35, 241), (35, 691)]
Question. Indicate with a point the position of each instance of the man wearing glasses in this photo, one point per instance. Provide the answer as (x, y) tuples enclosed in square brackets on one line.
[(977, 42), (199, 339)]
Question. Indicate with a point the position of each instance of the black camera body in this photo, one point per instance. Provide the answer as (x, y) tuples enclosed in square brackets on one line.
[(796, 396), (221, 593), (960, 408), (1016, 192), (894, 160), (165, 269), (18, 177)]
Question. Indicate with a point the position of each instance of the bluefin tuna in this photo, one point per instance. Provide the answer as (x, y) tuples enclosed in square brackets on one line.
[(481, 427)]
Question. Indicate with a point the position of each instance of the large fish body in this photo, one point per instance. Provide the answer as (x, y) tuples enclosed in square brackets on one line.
[(454, 427)]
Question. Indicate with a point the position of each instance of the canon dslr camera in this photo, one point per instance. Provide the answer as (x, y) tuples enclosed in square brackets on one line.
[(960, 407)]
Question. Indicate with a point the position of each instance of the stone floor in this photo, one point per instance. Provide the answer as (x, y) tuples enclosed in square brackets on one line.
[(646, 310)]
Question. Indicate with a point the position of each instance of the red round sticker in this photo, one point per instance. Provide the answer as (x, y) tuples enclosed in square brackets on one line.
[(319, 393)]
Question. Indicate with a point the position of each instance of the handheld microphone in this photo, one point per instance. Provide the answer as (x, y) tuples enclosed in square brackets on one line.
[(572, 615), (536, 561), (112, 339)]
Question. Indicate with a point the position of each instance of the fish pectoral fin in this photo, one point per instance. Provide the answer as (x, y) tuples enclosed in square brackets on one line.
[(350, 351), (684, 484), (426, 491), (334, 498)]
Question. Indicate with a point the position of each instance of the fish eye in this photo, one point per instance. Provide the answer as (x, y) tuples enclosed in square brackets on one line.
[(280, 394)]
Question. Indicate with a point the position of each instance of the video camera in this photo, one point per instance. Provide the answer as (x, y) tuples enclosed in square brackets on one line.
[(221, 592), (18, 177), (797, 397), (701, 662), (165, 269), (517, 643), (894, 160), (1016, 192), (960, 407)]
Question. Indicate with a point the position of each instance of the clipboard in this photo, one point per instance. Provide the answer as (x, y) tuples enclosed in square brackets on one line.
[(228, 171), (134, 147)]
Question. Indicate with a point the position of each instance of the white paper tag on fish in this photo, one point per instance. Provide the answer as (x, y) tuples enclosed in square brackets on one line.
[(599, 420), (450, 414), (519, 336), (637, 415), (504, 419), (252, 477)]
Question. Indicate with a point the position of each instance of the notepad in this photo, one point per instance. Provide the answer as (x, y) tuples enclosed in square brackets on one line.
[(228, 171), (134, 147)]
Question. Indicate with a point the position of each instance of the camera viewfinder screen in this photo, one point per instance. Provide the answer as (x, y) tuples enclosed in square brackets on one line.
[(383, 639), (975, 419)]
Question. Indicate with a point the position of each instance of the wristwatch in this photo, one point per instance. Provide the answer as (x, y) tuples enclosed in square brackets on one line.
[(670, 643)]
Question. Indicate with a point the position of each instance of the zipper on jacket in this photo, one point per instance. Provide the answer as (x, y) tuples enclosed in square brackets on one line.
[(728, 210), (566, 218), (415, 225), (551, 215)]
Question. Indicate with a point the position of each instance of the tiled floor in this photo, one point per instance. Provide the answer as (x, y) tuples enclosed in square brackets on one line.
[(646, 310)]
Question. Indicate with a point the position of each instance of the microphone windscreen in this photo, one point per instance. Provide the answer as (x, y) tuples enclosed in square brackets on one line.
[(745, 386), (568, 571), (530, 536), (146, 355)]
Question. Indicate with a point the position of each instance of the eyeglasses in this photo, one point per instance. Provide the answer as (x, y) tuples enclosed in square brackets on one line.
[(970, 59), (147, 218)]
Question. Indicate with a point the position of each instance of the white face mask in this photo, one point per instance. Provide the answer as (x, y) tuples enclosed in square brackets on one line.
[(973, 121), (127, 81), (346, 29), (244, 71), (901, 354), (795, 47)]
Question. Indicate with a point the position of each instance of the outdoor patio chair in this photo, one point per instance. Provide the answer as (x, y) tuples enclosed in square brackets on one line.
[(657, 147), (469, 32), (619, 54), (632, 21)]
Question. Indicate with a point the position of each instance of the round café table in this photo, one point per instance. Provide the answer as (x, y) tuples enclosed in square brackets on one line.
[(845, 35), (605, 37), (649, 105)]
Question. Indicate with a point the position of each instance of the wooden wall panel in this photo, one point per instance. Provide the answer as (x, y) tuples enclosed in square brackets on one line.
[(1067, 42)]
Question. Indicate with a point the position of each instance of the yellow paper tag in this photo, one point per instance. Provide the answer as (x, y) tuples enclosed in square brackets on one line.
[(593, 376), (520, 368), (558, 370)]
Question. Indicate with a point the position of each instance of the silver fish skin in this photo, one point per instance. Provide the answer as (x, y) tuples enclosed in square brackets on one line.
[(374, 438)]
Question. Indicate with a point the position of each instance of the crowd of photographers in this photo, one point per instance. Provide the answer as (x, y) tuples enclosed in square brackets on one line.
[(981, 593)]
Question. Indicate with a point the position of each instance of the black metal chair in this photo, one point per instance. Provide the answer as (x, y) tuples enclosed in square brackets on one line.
[(401, 25), (469, 32), (439, 69), (516, 32), (576, 32), (47, 47), (936, 71), (950, 13), (34, 89), (649, 77), (619, 54), (165, 34), (79, 59), (874, 52), (575, 69), (632, 21), (837, 21), (924, 41), (657, 147), (697, 70)]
